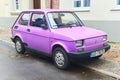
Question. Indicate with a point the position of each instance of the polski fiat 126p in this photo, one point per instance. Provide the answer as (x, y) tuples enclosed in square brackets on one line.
[(59, 34)]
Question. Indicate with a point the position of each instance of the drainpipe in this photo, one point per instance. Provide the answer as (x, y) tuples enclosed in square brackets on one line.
[(51, 6)]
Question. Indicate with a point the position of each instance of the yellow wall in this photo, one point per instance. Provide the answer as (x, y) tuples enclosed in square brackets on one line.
[(5, 8), (99, 10), (65, 4), (24, 5), (43, 6)]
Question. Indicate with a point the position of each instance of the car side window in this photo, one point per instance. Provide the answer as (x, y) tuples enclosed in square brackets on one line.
[(24, 19), (37, 19)]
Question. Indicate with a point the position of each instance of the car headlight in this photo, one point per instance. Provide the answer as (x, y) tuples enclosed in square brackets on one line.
[(105, 38), (79, 43)]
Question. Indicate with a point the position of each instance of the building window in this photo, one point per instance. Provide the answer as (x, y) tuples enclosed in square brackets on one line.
[(81, 4), (116, 5), (77, 3), (118, 2), (17, 6), (86, 3)]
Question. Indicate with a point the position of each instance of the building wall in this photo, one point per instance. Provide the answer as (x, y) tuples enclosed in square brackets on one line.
[(112, 28), (55, 4), (7, 21), (5, 8), (99, 10), (24, 5), (43, 5), (48, 3), (52, 4), (8, 14)]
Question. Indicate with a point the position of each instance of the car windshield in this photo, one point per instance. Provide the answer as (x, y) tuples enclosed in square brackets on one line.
[(64, 19)]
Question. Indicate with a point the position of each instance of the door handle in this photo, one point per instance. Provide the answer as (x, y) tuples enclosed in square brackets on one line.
[(16, 27), (28, 30)]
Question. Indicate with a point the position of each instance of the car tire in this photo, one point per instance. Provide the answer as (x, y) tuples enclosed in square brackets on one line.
[(60, 58), (19, 46)]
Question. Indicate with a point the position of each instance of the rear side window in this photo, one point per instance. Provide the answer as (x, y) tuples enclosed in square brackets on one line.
[(24, 19)]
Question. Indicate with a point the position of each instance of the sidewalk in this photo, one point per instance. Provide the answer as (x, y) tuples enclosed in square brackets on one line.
[(108, 64), (5, 34)]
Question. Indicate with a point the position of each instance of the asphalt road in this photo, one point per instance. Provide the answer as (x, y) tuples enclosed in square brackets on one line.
[(32, 66)]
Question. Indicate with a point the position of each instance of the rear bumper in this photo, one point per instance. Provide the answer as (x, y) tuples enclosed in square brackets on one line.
[(84, 55)]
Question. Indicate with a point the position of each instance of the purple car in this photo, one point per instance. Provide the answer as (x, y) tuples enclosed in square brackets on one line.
[(59, 34)]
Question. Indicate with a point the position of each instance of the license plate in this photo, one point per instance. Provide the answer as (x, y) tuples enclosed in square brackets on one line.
[(97, 53)]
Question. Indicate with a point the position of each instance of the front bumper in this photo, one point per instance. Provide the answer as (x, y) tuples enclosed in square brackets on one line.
[(84, 55)]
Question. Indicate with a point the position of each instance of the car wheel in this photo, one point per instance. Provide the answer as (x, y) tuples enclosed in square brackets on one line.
[(60, 58), (19, 46)]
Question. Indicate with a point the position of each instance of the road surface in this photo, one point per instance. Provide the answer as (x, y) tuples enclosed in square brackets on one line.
[(32, 66)]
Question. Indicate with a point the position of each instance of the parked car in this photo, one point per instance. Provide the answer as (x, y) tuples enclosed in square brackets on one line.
[(59, 34)]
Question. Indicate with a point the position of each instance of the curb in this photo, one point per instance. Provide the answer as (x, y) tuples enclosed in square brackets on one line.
[(104, 72)]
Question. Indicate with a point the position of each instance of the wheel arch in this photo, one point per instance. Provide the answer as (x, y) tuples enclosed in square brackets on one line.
[(59, 45), (17, 36)]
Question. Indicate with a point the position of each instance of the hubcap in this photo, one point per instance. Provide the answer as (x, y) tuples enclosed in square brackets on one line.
[(18, 46), (59, 58)]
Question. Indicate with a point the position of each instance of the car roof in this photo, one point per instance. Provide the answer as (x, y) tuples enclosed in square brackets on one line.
[(46, 10)]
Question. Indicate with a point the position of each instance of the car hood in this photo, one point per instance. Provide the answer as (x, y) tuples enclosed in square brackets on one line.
[(76, 33)]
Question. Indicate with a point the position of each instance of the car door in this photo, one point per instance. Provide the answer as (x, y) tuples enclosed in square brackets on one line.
[(20, 27), (38, 37)]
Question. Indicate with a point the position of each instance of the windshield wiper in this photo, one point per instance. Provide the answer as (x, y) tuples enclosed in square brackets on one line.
[(60, 25), (73, 24), (67, 25)]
